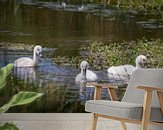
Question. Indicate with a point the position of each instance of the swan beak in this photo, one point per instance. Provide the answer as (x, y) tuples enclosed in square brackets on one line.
[(40, 54), (84, 71)]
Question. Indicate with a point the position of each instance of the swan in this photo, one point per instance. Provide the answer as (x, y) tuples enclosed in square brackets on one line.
[(28, 62), (85, 75), (124, 71), (81, 8), (141, 62), (63, 4)]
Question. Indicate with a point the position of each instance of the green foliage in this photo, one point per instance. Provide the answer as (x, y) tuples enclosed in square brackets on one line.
[(20, 99), (125, 53), (100, 55), (8, 126), (4, 72), (150, 4)]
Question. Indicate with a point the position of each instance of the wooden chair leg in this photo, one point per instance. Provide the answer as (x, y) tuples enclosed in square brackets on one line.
[(97, 94), (160, 98), (124, 125), (146, 110), (112, 94), (94, 121)]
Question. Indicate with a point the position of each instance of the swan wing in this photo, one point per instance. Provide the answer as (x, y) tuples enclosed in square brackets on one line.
[(91, 76), (23, 62), (78, 78), (120, 72), (129, 69)]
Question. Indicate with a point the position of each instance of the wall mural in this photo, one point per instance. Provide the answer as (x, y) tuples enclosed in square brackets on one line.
[(58, 46)]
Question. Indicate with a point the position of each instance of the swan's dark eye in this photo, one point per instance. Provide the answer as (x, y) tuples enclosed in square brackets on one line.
[(144, 60)]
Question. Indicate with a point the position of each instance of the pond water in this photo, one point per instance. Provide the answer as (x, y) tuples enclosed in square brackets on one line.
[(61, 32), (57, 83)]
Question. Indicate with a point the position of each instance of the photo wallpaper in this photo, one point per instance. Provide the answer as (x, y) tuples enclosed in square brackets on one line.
[(57, 47)]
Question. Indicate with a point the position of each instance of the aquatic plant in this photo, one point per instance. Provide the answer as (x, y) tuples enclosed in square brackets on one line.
[(124, 3), (19, 99), (139, 4), (150, 4), (100, 55)]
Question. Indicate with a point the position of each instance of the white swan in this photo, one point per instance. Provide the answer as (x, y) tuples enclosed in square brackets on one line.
[(85, 75), (63, 4), (81, 8), (28, 62), (141, 62), (124, 71)]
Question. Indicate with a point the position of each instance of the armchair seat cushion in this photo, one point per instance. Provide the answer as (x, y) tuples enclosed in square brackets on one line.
[(125, 110)]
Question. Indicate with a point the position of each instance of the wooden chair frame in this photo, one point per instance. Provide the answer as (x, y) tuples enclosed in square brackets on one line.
[(146, 106)]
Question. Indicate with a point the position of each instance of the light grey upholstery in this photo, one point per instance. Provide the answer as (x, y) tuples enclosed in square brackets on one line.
[(116, 109), (131, 105), (132, 111), (143, 77)]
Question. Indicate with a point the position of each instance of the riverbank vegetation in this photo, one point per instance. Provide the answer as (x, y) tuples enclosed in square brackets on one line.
[(101, 56), (132, 4), (139, 4)]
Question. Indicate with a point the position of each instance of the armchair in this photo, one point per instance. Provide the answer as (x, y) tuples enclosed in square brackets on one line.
[(142, 103)]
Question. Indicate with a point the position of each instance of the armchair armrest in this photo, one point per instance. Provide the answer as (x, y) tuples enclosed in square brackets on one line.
[(98, 87), (101, 85), (148, 101), (147, 88)]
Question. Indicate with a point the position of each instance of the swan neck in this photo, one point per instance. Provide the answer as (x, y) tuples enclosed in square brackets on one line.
[(138, 65), (83, 72), (35, 58)]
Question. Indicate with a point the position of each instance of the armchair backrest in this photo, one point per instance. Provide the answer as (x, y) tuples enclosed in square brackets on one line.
[(143, 77)]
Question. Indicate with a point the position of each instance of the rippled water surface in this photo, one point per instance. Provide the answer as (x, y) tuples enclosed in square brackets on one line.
[(61, 93), (61, 32)]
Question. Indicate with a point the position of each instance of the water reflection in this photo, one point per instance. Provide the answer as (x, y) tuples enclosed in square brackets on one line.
[(67, 30), (27, 74)]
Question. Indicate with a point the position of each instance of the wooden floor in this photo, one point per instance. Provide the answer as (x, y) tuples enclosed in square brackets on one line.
[(57, 121)]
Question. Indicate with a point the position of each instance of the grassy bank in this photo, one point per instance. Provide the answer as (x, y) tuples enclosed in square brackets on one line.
[(100, 55), (139, 4), (147, 4)]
